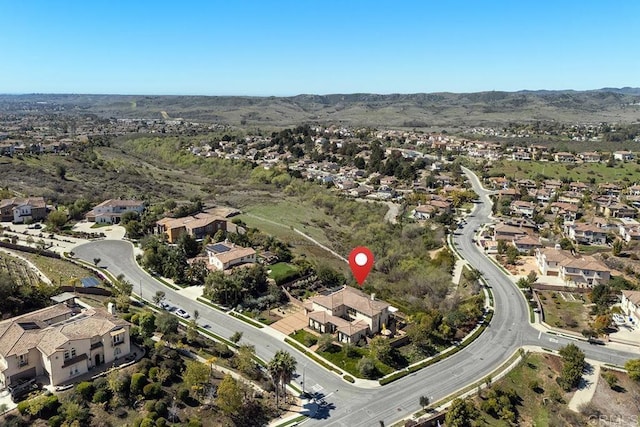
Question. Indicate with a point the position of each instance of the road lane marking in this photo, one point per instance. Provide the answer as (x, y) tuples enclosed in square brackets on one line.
[(554, 340), (539, 334)]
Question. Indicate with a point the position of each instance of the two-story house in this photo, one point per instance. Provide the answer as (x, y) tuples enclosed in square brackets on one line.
[(111, 211), (583, 271), (348, 312), (23, 209), (59, 343), (197, 226), (586, 233), (223, 255)]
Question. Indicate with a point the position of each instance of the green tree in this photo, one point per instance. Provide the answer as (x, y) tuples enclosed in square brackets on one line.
[(424, 402), (245, 360), (324, 342), (381, 349), (572, 366), (147, 323), (633, 368), (230, 396), (167, 324), (461, 413), (610, 378), (367, 367), (56, 219), (236, 337), (616, 248), (61, 172), (196, 376), (192, 330)]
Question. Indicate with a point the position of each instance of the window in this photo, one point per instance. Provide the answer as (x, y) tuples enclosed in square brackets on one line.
[(118, 339), (23, 359), (117, 351), (68, 354), (73, 371)]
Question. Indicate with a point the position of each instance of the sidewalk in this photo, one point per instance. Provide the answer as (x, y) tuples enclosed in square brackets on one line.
[(587, 387)]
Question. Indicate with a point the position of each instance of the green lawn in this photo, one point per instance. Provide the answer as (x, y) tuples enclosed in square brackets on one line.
[(629, 172), (282, 271), (350, 364), (305, 338)]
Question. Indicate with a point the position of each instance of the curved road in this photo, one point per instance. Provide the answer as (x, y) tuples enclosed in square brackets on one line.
[(348, 405)]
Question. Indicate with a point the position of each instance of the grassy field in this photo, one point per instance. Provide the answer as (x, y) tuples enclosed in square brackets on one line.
[(564, 313), (281, 271), (629, 172), (350, 363)]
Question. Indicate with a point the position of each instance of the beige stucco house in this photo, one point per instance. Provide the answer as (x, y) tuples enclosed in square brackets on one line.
[(348, 312), (60, 343), (631, 304)]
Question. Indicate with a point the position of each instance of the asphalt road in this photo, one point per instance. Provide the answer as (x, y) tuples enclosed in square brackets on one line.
[(346, 404)]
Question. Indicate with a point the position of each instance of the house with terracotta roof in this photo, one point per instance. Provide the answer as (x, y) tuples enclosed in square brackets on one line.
[(111, 211), (583, 271), (60, 343), (568, 211), (585, 233), (564, 157), (197, 226), (224, 255), (631, 304), (23, 209), (526, 244), (348, 312)]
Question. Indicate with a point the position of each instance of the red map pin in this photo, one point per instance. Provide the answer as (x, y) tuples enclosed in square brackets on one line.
[(360, 261)]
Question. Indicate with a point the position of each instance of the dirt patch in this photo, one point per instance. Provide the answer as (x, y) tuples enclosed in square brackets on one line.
[(619, 406)]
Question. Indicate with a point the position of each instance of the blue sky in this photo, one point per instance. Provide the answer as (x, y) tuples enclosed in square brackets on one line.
[(283, 48)]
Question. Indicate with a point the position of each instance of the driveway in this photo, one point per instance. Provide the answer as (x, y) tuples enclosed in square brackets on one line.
[(291, 323)]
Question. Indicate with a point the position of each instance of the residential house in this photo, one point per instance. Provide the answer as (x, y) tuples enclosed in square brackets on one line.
[(527, 183), (634, 190), (578, 187), (111, 211), (224, 255), (23, 209), (348, 312), (434, 208), (508, 232), (584, 271), (586, 233), (542, 195), (617, 210), (197, 226), (526, 244), (522, 208), (629, 232), (631, 304), (59, 343), (564, 157), (625, 156), (610, 189), (568, 211), (590, 157), (509, 192)]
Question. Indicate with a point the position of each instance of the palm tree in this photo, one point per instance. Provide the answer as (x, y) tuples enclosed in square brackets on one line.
[(281, 368)]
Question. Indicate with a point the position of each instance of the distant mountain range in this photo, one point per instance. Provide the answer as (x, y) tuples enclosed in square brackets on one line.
[(424, 110)]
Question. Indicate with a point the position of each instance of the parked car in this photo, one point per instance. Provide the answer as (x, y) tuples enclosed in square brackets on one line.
[(180, 312)]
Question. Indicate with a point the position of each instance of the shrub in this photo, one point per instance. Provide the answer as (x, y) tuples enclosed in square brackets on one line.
[(120, 412), (182, 394), (367, 367), (161, 408), (23, 407), (85, 390), (194, 422), (147, 422), (100, 396), (161, 422), (152, 373), (149, 405), (56, 421), (152, 390), (138, 381)]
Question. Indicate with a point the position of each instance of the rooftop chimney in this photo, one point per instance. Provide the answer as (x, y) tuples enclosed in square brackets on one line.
[(373, 297), (111, 308)]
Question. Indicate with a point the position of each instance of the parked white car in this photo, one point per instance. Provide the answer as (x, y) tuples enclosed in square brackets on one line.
[(180, 312)]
